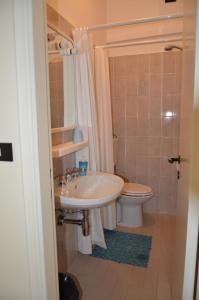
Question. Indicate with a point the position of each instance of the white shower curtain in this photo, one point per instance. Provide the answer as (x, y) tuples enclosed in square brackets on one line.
[(94, 118), (86, 105), (87, 121), (102, 83), (103, 97)]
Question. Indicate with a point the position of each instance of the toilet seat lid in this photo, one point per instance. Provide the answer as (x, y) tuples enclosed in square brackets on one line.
[(136, 189)]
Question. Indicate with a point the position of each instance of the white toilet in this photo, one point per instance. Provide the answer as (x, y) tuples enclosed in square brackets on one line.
[(129, 204)]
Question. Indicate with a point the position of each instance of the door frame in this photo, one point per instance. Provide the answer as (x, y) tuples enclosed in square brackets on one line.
[(35, 138), (33, 103), (193, 201)]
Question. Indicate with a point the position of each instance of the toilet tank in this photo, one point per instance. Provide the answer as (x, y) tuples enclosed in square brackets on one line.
[(115, 149)]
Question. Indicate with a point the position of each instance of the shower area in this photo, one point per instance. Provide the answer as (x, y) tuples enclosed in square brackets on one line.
[(145, 70), (145, 94)]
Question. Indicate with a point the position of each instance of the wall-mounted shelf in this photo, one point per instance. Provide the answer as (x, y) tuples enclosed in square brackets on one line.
[(67, 148), (62, 129)]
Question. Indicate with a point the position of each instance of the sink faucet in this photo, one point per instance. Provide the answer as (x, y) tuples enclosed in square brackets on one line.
[(71, 174), (67, 180)]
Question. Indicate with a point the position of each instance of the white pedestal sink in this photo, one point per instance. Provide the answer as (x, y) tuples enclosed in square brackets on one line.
[(94, 190)]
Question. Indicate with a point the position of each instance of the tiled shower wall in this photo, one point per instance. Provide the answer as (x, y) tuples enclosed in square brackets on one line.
[(146, 106)]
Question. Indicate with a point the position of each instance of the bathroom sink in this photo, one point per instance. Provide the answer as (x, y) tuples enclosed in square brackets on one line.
[(93, 190)]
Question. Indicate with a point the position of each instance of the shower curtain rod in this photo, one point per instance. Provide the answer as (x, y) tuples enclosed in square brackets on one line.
[(138, 43), (69, 39), (135, 21), (149, 37)]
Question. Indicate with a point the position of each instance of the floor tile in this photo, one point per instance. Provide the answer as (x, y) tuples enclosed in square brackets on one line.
[(107, 280)]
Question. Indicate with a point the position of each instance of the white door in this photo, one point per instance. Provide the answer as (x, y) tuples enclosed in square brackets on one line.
[(184, 259), (28, 265)]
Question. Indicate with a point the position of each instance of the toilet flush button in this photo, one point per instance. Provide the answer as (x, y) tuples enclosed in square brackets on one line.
[(6, 153)]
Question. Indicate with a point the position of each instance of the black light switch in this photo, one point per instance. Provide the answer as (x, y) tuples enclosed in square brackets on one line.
[(167, 1), (6, 152)]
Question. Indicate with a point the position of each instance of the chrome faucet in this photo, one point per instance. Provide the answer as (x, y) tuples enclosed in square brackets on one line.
[(67, 179), (71, 173)]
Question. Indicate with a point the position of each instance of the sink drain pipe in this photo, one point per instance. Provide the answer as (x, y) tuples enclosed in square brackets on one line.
[(84, 222)]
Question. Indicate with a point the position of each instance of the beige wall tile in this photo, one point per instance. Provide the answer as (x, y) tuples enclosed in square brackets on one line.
[(175, 147), (149, 85), (168, 126), (166, 188), (132, 85), (56, 94), (120, 129), (155, 127), (176, 104), (142, 63), (120, 89), (169, 62), (120, 67), (153, 182), (143, 106), (143, 127), (131, 147), (155, 85), (151, 205), (179, 62), (165, 203), (142, 146), (156, 63), (166, 169), (143, 84), (131, 64), (153, 166), (178, 82), (169, 84), (154, 146), (155, 106), (166, 147), (142, 179), (119, 105), (142, 164), (168, 103), (131, 127), (131, 106)]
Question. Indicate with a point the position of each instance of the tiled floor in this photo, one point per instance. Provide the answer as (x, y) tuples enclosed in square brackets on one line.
[(106, 280)]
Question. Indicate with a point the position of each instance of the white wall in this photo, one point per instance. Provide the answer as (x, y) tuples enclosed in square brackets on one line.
[(92, 12), (81, 13), (130, 9), (27, 252), (118, 11)]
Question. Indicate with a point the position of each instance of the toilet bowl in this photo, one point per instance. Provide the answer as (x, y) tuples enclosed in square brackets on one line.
[(129, 204)]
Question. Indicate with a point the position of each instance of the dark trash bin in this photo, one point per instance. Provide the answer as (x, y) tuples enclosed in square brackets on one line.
[(67, 288)]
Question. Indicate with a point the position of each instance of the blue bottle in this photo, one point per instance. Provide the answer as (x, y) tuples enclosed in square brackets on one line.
[(83, 166)]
